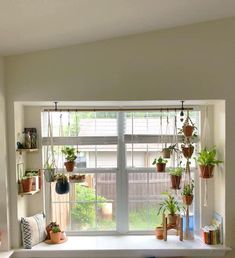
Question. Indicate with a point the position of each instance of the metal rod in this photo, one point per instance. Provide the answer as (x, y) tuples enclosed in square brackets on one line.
[(114, 109)]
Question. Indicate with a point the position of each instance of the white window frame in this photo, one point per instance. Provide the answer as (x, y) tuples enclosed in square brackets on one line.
[(122, 212)]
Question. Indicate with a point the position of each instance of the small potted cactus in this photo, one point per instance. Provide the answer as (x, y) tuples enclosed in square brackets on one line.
[(55, 234)]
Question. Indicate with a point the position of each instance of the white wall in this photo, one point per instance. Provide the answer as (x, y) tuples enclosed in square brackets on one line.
[(4, 211), (191, 62)]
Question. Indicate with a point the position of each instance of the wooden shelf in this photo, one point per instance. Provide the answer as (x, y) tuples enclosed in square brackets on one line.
[(26, 150), (30, 193)]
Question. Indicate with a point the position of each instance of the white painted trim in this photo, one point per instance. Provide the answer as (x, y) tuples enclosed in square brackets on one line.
[(122, 246)]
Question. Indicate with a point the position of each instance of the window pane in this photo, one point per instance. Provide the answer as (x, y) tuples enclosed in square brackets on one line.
[(80, 123), (88, 206), (88, 156)]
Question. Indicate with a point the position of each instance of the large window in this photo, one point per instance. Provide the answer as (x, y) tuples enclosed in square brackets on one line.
[(115, 151)]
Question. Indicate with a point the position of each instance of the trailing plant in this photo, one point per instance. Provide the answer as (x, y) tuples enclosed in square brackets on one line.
[(172, 148), (188, 189), (208, 157), (160, 160), (170, 205), (69, 152)]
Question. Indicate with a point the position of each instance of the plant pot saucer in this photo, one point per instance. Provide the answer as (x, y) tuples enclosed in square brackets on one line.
[(49, 242)]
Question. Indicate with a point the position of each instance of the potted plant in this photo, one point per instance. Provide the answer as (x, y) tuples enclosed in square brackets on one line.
[(167, 151), (207, 161), (187, 193), (187, 150), (188, 127), (55, 234), (70, 157), (27, 183), (49, 228), (160, 164), (62, 184), (49, 171), (175, 174), (172, 207), (159, 232)]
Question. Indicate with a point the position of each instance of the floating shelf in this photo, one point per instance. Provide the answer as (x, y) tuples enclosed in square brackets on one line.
[(30, 193), (26, 150)]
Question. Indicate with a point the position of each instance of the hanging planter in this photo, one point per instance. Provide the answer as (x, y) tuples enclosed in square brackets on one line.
[(70, 157), (49, 174), (207, 161), (187, 150), (187, 193), (206, 171), (62, 184), (175, 182), (175, 174), (188, 127), (69, 166), (160, 164), (166, 153)]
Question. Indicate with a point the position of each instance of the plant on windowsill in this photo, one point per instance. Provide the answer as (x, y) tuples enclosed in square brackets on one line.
[(175, 174), (207, 161), (160, 164), (27, 183), (172, 207), (159, 230), (62, 184), (187, 193), (70, 157), (55, 234)]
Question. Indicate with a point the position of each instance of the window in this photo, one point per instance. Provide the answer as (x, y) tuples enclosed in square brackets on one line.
[(115, 150)]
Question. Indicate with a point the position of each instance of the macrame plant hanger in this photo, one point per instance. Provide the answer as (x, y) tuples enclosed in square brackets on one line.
[(50, 138), (206, 143), (61, 133), (187, 180)]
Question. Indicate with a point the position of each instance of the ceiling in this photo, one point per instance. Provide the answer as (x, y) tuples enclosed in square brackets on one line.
[(31, 25)]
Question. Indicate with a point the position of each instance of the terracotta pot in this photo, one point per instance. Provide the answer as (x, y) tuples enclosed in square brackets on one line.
[(55, 237), (40, 178), (187, 151), (49, 228), (187, 199), (166, 153), (206, 171), (172, 219), (175, 182), (188, 130), (69, 166), (159, 233), (27, 184), (161, 167)]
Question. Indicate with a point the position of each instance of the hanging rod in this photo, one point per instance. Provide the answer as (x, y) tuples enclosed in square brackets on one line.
[(114, 109)]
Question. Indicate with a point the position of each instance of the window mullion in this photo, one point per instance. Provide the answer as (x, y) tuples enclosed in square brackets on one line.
[(122, 179)]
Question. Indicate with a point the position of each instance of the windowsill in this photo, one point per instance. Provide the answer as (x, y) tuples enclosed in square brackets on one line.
[(123, 246)]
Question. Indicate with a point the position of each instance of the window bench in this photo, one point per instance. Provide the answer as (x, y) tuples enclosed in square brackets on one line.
[(121, 246)]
